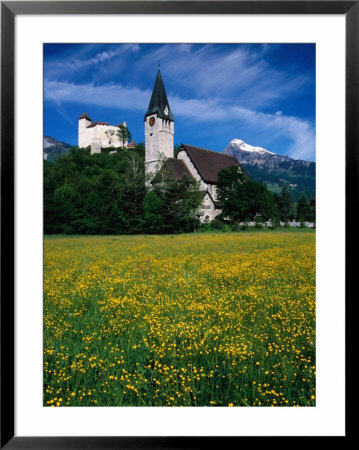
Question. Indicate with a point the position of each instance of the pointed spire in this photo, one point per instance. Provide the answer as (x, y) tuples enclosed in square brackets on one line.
[(159, 103)]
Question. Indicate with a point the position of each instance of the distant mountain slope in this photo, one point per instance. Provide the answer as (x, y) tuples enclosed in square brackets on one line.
[(273, 169), (53, 148)]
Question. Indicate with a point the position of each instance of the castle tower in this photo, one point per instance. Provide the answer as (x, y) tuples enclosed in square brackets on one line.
[(84, 122), (159, 128)]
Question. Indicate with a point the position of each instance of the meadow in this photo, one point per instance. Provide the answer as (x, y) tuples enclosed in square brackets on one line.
[(224, 319)]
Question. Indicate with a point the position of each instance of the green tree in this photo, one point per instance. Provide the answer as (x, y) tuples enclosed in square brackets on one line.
[(268, 207), (124, 134), (285, 204), (242, 198), (302, 213), (190, 198), (231, 192), (86, 193), (311, 217), (141, 146), (133, 193), (152, 213), (180, 200)]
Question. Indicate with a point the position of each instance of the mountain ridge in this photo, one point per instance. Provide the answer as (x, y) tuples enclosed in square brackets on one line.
[(274, 170), (53, 148)]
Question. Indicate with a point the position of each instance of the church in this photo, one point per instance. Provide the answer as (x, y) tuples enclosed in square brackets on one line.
[(201, 164)]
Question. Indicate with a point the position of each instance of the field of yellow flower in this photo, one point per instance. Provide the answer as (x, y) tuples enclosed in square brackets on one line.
[(222, 319)]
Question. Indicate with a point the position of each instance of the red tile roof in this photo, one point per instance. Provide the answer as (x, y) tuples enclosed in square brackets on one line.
[(84, 116), (93, 124)]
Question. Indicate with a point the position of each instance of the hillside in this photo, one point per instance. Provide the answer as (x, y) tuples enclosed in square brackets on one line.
[(53, 148), (274, 170)]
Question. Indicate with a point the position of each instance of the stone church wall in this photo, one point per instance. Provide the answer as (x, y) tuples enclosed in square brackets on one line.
[(185, 158), (158, 142), (208, 212)]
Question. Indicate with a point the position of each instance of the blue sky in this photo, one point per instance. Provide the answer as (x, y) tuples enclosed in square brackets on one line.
[(263, 94)]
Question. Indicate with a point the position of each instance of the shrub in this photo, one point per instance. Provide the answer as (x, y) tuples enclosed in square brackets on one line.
[(217, 224)]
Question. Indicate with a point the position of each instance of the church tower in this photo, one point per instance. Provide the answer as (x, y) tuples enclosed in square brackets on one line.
[(159, 128)]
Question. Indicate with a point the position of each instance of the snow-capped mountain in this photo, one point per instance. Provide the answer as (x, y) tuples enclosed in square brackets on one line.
[(238, 143), (273, 170), (258, 156)]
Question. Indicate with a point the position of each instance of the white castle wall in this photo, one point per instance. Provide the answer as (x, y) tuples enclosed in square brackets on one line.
[(98, 136), (83, 140)]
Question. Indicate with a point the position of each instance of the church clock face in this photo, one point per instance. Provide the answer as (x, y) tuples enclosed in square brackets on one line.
[(152, 121)]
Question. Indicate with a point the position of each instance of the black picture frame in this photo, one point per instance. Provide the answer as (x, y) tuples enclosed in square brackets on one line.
[(9, 9)]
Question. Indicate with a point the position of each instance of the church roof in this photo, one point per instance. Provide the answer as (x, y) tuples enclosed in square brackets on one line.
[(159, 102), (175, 167), (208, 163), (178, 168), (84, 116)]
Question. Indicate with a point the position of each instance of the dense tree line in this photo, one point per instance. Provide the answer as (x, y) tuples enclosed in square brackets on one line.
[(108, 194), (245, 200)]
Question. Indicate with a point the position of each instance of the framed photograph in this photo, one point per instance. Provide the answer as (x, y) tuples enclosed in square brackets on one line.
[(173, 245)]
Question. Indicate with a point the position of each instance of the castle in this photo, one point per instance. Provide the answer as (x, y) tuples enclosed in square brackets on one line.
[(99, 135), (201, 164)]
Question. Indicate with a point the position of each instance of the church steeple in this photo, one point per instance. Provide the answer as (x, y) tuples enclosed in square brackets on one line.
[(159, 103), (159, 128)]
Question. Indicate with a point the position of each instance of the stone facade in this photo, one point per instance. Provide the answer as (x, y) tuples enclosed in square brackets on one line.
[(159, 144), (194, 172), (203, 165), (208, 211)]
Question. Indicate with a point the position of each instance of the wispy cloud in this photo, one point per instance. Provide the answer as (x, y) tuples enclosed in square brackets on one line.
[(300, 133), (239, 71), (78, 61), (262, 93), (107, 96)]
